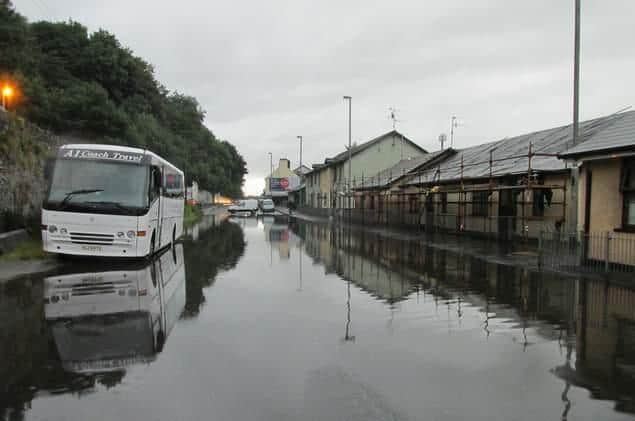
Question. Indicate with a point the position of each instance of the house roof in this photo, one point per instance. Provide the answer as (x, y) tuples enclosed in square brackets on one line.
[(302, 170), (618, 136), (510, 155), (386, 177), (343, 156)]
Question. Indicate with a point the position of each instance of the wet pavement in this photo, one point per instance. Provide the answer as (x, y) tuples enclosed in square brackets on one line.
[(271, 319)]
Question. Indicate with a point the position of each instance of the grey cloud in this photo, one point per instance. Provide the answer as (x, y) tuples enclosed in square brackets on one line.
[(267, 71)]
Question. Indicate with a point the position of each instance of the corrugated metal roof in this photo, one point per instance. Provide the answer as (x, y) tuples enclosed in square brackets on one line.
[(400, 169), (509, 155), (618, 136)]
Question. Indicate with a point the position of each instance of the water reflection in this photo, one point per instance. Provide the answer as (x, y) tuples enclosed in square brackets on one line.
[(591, 322), (104, 321), (217, 248), (85, 325)]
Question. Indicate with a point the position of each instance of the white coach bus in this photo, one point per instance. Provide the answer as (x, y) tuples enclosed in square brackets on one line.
[(112, 201)]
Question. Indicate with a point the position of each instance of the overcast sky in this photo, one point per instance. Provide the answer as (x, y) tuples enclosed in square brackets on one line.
[(267, 71)]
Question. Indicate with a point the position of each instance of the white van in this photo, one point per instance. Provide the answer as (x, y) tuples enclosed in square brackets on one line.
[(249, 206), (267, 206)]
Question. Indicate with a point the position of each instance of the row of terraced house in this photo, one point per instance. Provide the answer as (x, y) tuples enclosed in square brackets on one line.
[(527, 186)]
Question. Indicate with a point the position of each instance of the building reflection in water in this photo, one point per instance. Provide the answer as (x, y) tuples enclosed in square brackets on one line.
[(592, 321), (85, 326)]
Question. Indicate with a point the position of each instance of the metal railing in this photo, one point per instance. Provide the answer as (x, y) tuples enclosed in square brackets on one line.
[(594, 252)]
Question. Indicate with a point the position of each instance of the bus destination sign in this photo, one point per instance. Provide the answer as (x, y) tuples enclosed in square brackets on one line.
[(133, 158)]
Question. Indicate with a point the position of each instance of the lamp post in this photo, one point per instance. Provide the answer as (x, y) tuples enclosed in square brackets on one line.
[(7, 93), (350, 151), (300, 137), (576, 73), (270, 170)]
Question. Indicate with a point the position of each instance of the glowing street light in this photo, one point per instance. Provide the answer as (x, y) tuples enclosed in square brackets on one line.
[(7, 93)]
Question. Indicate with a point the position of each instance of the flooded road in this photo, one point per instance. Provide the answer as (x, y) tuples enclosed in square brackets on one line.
[(275, 320)]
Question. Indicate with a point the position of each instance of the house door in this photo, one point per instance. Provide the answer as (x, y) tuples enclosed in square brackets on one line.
[(506, 214)]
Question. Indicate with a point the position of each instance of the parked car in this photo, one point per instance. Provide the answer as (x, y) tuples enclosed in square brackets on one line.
[(267, 206), (249, 206)]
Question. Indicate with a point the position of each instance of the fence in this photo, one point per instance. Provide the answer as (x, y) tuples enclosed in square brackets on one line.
[(593, 252)]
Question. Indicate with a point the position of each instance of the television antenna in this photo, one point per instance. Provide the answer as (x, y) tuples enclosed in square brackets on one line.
[(454, 125), (393, 117), (442, 138)]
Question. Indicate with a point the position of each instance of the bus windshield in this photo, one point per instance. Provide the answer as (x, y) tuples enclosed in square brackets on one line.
[(110, 187)]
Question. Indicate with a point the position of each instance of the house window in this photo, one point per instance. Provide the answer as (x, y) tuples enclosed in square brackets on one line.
[(443, 199), (628, 193), (372, 202), (538, 203), (479, 203)]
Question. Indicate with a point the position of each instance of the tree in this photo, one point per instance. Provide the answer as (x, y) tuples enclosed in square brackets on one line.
[(90, 85)]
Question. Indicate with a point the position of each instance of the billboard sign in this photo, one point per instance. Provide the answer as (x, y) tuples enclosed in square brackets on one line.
[(283, 184)]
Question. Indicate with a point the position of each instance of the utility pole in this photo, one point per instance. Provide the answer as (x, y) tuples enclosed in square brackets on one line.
[(576, 73), (575, 170), (350, 150), (300, 137)]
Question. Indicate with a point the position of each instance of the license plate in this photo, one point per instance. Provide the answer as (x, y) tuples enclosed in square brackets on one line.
[(91, 248)]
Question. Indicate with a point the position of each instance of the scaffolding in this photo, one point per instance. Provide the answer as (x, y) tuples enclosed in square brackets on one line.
[(500, 204)]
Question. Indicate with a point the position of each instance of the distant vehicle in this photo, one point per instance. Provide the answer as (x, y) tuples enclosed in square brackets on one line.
[(104, 321), (249, 206), (114, 201), (266, 206)]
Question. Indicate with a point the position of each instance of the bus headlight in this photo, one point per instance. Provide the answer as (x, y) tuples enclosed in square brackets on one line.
[(130, 234), (52, 229), (120, 234), (63, 231)]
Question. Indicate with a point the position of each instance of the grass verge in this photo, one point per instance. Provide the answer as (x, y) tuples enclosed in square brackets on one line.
[(30, 249), (192, 215)]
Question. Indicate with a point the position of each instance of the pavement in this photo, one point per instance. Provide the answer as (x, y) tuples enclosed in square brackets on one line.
[(18, 268), (517, 253)]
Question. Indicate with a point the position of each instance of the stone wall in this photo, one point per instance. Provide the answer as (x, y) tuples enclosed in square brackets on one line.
[(24, 151)]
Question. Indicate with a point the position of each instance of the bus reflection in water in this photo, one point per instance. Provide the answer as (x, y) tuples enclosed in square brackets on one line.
[(104, 321)]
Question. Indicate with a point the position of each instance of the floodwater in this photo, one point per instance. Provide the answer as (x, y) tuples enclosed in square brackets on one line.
[(266, 319)]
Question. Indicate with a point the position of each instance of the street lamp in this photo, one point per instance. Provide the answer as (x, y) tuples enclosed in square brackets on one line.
[(270, 169), (300, 137), (350, 149), (7, 93)]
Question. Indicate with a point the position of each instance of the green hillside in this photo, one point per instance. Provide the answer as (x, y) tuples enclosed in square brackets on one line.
[(88, 85)]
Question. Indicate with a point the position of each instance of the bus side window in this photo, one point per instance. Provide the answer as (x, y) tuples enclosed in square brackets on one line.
[(173, 184)]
